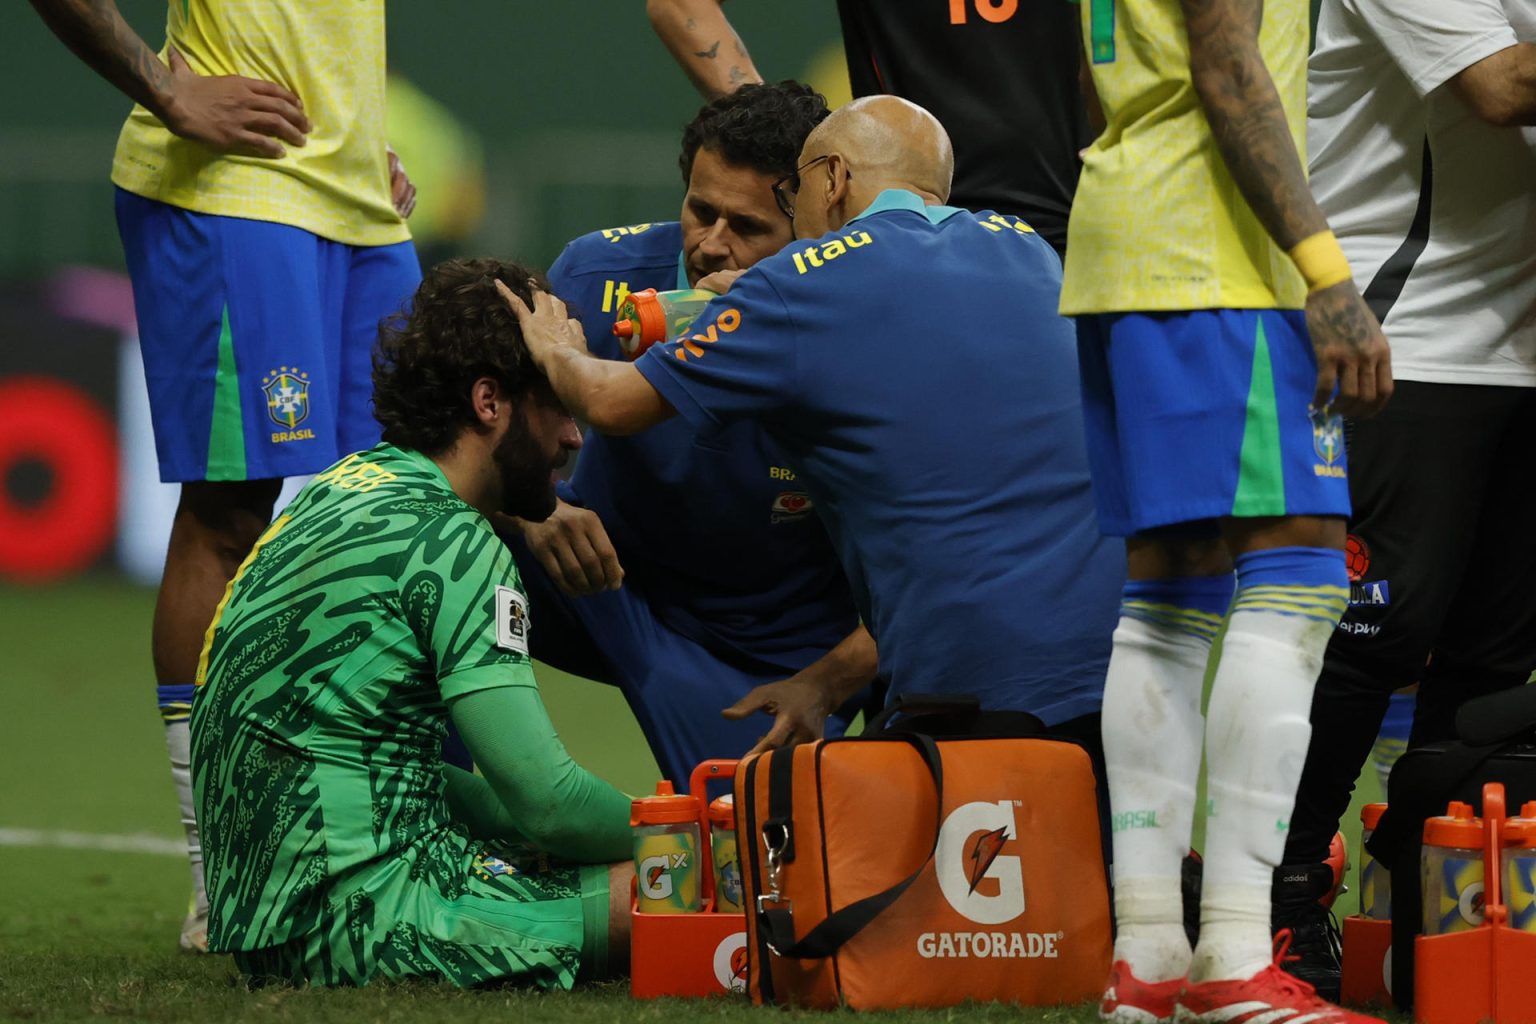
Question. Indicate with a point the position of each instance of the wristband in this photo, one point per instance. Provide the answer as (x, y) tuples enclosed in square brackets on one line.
[(1321, 261)]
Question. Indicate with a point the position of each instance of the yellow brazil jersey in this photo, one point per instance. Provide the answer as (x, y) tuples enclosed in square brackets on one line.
[(331, 54), (1158, 222)]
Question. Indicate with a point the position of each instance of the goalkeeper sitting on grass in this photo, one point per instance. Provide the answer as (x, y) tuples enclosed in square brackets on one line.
[(378, 607)]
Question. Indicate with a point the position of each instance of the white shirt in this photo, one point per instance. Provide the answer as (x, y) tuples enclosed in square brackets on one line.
[(1449, 257)]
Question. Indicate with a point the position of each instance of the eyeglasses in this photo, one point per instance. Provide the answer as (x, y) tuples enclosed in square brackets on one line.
[(787, 187)]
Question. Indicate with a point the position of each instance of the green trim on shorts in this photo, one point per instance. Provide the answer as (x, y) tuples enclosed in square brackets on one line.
[(226, 438), (594, 925), (1261, 470)]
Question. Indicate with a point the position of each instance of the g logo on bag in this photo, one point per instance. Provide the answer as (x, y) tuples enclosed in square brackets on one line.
[(984, 886), (655, 880), (970, 853)]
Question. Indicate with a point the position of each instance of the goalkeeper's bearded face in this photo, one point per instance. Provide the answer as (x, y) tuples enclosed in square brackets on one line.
[(529, 458)]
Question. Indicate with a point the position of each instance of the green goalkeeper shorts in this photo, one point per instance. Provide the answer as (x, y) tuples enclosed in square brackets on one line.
[(547, 929)]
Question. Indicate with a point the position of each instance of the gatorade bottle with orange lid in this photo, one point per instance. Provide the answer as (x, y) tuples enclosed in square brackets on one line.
[(666, 851), (647, 317), (722, 846), (1452, 871), (1375, 881), (1519, 867)]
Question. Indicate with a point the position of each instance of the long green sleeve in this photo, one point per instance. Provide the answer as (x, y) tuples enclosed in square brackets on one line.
[(473, 802), (559, 806)]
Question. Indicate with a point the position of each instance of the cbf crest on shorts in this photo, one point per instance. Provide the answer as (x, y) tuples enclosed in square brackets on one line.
[(287, 391), (1327, 442)]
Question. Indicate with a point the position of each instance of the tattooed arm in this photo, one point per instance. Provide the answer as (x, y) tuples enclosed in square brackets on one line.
[(1248, 123), (703, 43), (229, 114)]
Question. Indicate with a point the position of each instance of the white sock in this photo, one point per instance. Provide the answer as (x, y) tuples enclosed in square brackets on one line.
[(178, 741), (1152, 729), (1256, 741)]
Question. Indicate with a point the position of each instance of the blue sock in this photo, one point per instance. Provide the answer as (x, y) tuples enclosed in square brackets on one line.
[(1187, 604), (1307, 582), (1392, 741), (1398, 721), (176, 702)]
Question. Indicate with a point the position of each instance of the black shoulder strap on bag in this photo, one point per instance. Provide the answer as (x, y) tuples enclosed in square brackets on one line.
[(923, 706), (780, 823), (951, 716), (778, 924)]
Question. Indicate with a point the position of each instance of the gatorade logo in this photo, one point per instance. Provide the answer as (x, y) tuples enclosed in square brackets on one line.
[(656, 874), (730, 962), (975, 877), (985, 886), (655, 880)]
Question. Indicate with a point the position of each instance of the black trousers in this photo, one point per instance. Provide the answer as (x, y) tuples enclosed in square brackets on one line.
[(1443, 484)]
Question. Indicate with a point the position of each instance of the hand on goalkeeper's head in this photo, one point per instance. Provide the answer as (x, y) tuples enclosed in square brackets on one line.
[(547, 327)]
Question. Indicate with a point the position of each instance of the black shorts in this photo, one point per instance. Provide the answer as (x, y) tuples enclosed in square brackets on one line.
[(1444, 490), (1442, 560)]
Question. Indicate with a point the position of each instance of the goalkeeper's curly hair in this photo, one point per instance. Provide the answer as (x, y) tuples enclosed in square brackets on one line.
[(758, 126), (455, 330)]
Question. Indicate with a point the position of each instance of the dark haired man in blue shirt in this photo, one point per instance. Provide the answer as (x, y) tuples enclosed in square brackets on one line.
[(689, 567)]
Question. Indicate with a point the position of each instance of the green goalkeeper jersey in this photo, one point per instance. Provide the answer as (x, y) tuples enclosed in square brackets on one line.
[(376, 597)]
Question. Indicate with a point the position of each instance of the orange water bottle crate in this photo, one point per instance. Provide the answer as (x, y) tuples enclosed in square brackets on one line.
[(703, 953), (1483, 971)]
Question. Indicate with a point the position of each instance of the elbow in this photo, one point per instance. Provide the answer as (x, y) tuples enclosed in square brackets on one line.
[(555, 834), (621, 402), (1500, 89), (1224, 65), (1497, 110), (1208, 78), (541, 823), (548, 835), (609, 421), (660, 12)]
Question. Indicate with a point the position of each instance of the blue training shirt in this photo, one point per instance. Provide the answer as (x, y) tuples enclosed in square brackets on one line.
[(914, 371), (709, 525)]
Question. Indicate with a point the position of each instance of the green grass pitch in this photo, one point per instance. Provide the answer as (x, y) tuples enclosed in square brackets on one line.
[(89, 933)]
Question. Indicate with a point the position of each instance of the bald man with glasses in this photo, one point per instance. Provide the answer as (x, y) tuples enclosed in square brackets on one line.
[(907, 358)]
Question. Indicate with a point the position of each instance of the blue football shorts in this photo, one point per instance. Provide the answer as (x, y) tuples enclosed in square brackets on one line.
[(257, 339), (674, 685), (1206, 414)]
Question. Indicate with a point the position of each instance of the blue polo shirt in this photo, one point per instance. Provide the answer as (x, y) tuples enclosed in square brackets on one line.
[(914, 371), (711, 526)]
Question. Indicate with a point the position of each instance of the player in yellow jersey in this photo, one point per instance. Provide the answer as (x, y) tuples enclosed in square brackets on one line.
[(1220, 337), (263, 220)]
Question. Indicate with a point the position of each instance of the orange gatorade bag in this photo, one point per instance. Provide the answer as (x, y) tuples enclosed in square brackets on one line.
[(901, 870)]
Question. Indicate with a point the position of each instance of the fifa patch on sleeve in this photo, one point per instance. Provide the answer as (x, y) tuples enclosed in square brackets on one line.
[(511, 620)]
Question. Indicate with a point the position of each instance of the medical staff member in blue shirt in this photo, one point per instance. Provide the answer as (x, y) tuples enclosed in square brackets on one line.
[(688, 567), (909, 361)]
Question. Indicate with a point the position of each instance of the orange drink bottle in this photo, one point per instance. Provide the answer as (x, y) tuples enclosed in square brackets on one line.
[(1375, 880), (722, 844), (667, 865), (647, 317), (1452, 871), (1519, 857)]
